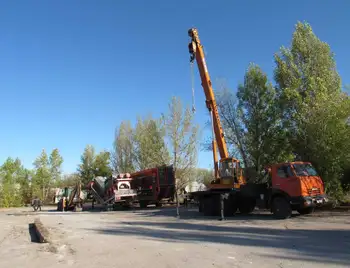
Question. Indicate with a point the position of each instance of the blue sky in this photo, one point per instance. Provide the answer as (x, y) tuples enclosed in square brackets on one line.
[(71, 71)]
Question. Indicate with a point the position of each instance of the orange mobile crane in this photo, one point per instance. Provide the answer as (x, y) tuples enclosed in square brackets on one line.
[(290, 186), (228, 173)]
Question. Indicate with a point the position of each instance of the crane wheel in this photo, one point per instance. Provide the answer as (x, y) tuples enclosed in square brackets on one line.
[(207, 206), (231, 205), (281, 209), (143, 204), (200, 205), (246, 205)]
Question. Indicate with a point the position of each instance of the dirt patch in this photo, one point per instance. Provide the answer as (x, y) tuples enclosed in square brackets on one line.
[(155, 237)]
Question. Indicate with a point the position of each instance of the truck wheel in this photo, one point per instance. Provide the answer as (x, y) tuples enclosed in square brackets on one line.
[(207, 206), (231, 206), (158, 204), (281, 209), (143, 204), (305, 211), (200, 205), (246, 205)]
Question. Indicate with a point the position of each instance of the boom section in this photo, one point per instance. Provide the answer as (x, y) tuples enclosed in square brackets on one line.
[(196, 52)]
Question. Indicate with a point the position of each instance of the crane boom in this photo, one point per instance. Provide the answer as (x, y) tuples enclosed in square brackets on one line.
[(196, 50), (229, 173)]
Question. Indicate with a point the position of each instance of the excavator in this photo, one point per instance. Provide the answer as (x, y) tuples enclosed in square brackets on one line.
[(72, 199), (290, 186)]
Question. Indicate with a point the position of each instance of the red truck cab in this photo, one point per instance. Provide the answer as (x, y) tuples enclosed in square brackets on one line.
[(295, 186)]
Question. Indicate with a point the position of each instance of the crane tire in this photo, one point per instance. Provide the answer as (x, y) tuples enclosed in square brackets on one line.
[(207, 206), (200, 205), (143, 204), (281, 208), (246, 205)]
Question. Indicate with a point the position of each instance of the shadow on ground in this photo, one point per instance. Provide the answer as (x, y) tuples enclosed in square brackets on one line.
[(193, 214), (323, 246), (190, 213)]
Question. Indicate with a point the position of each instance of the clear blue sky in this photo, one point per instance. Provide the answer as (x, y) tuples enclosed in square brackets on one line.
[(70, 71)]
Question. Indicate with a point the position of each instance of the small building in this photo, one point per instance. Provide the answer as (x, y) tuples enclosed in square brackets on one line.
[(195, 186)]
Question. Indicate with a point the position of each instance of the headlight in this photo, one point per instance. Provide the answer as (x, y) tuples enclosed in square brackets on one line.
[(307, 202)]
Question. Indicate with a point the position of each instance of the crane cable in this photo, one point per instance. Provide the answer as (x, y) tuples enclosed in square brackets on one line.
[(192, 81)]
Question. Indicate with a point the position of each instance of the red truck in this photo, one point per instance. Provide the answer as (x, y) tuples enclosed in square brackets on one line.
[(115, 191), (146, 187), (154, 185)]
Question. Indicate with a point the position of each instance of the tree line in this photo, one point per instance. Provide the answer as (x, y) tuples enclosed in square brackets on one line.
[(19, 185), (303, 114), (171, 139)]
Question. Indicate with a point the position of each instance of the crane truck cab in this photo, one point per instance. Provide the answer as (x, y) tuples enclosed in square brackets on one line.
[(294, 186), (288, 187)]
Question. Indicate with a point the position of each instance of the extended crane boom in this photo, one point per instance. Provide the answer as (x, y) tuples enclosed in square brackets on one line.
[(229, 167), (196, 51)]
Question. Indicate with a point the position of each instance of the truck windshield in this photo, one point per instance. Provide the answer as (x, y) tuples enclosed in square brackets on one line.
[(304, 170)]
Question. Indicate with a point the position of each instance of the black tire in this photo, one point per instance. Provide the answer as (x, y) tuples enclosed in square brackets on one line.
[(211, 206), (246, 205), (200, 205), (115, 207), (281, 209), (207, 206), (305, 211), (159, 205), (231, 206), (143, 204)]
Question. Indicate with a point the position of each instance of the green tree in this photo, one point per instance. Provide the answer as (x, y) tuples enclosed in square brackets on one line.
[(183, 136), (264, 137), (25, 182), (11, 173), (55, 163), (93, 165), (42, 180), (123, 154), (315, 109), (68, 180), (232, 123), (101, 165), (86, 169), (149, 145), (204, 176)]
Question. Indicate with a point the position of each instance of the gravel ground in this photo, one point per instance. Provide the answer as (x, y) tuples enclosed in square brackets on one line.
[(155, 238)]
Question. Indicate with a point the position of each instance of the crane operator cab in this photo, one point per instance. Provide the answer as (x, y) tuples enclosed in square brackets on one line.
[(230, 173)]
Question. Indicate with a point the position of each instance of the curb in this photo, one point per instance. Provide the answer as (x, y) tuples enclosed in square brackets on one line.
[(41, 231)]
